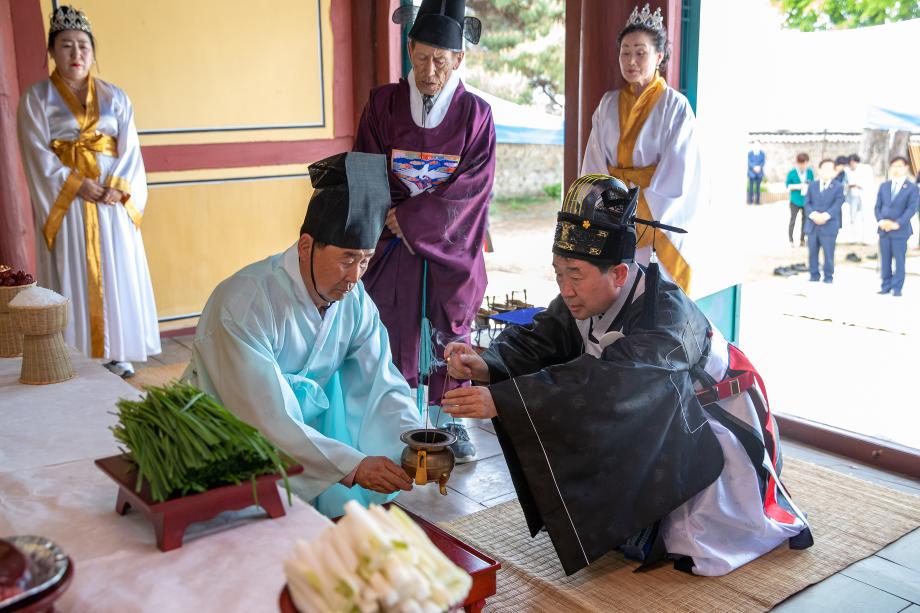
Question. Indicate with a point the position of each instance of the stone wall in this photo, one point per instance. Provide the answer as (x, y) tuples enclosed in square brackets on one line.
[(781, 150), (524, 170)]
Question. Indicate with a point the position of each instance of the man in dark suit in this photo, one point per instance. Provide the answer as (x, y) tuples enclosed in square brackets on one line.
[(823, 203), (756, 160), (896, 204)]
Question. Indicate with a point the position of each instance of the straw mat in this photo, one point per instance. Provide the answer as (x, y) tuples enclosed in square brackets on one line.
[(850, 519)]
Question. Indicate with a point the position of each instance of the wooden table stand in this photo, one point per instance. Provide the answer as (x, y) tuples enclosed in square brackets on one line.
[(170, 518)]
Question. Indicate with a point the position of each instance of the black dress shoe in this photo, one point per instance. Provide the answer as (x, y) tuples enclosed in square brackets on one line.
[(783, 271), (884, 291), (852, 257), (800, 267)]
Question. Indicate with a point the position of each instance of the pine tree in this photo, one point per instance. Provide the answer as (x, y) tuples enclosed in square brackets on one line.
[(523, 38)]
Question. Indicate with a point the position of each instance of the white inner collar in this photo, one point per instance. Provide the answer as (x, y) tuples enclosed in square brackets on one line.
[(441, 101), (598, 325)]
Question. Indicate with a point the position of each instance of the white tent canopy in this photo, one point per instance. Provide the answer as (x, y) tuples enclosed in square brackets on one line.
[(840, 80)]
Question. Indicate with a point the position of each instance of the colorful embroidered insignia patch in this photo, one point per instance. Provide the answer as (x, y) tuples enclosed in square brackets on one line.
[(422, 172)]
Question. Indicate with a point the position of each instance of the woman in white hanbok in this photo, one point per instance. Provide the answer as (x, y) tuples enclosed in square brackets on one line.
[(82, 158), (643, 134)]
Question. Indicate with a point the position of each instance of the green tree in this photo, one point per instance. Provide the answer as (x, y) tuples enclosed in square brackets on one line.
[(812, 15), (524, 38)]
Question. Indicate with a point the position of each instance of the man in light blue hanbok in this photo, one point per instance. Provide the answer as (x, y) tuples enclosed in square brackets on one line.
[(294, 345)]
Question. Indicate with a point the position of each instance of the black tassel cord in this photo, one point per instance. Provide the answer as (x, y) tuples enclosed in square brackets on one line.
[(650, 314)]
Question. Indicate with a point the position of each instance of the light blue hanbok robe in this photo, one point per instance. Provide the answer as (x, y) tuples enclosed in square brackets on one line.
[(322, 388)]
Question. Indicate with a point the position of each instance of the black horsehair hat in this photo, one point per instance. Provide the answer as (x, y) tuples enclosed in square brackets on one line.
[(350, 200), (598, 221), (440, 23)]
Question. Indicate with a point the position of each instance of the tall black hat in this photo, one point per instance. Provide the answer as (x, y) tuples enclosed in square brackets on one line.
[(597, 221), (440, 23), (350, 200)]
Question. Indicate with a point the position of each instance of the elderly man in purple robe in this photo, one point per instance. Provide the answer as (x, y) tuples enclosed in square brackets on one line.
[(440, 143)]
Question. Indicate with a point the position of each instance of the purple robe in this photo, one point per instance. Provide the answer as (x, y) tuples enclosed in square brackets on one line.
[(440, 183)]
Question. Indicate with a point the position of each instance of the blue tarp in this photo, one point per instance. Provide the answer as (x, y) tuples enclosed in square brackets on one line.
[(527, 136), (519, 124), (518, 317), (880, 117)]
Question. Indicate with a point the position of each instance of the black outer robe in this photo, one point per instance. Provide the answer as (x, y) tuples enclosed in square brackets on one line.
[(605, 447)]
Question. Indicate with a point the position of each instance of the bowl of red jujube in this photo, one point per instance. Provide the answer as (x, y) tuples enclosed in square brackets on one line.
[(12, 278), (11, 283)]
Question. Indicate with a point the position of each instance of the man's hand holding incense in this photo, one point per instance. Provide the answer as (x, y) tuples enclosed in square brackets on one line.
[(463, 363), (475, 402)]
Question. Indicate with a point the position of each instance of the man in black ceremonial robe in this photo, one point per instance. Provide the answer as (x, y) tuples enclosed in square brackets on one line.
[(626, 419)]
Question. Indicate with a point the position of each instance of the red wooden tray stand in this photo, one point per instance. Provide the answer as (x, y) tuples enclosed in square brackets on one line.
[(481, 567), (171, 517)]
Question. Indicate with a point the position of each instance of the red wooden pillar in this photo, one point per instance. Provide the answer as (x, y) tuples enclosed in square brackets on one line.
[(375, 49), (592, 68), (22, 62)]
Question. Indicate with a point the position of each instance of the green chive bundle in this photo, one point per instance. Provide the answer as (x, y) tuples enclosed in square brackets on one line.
[(183, 441)]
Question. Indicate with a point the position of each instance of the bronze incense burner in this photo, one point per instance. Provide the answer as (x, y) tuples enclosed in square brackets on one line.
[(427, 457)]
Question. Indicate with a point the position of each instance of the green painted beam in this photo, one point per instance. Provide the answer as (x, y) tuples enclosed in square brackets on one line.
[(689, 49), (404, 39), (723, 309)]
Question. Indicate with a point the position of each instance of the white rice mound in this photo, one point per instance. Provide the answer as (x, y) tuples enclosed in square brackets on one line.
[(36, 297)]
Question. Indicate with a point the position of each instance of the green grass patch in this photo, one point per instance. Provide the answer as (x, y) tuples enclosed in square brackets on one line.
[(518, 205)]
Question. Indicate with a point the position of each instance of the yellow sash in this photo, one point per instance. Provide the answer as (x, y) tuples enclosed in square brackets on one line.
[(80, 154), (633, 112), (80, 157)]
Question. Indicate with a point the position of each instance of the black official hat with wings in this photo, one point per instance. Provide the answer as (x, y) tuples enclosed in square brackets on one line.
[(440, 23)]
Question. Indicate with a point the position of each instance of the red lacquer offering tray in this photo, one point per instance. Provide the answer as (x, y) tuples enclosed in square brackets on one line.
[(480, 567), (171, 517)]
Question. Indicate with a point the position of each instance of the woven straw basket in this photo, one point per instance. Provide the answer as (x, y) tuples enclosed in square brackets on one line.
[(10, 337), (45, 358)]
